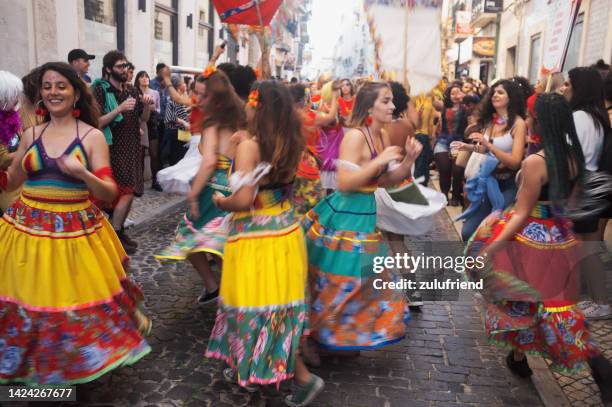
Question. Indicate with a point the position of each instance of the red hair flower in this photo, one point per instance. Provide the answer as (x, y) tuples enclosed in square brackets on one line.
[(253, 98), (210, 69)]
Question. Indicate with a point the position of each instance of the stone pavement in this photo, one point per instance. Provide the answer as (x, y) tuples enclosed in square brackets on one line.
[(444, 361), (580, 389)]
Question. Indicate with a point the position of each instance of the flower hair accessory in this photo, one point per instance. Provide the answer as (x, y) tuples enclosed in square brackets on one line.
[(209, 71), (253, 98)]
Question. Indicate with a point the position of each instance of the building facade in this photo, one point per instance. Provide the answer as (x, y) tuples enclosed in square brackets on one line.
[(177, 32), (521, 30), (354, 50)]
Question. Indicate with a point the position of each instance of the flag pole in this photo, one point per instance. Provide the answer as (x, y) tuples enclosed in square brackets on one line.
[(405, 65)]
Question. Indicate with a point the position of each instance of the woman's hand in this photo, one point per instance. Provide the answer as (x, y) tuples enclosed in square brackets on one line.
[(479, 138), (194, 207), (413, 149), (217, 198), (392, 153), (72, 167), (461, 146)]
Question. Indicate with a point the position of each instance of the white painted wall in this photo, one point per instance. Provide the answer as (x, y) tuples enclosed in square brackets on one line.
[(67, 28)]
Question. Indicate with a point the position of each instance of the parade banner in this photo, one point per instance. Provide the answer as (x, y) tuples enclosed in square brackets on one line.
[(245, 12), (558, 32), (407, 41)]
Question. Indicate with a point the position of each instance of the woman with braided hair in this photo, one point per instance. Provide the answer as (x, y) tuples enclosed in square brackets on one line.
[(532, 284)]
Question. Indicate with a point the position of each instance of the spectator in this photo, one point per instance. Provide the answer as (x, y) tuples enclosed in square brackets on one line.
[(122, 111), (79, 60), (177, 118)]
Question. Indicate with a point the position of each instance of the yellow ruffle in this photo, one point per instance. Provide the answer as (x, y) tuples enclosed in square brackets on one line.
[(265, 272), (46, 273)]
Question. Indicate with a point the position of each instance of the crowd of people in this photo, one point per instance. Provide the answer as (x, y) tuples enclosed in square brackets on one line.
[(293, 189)]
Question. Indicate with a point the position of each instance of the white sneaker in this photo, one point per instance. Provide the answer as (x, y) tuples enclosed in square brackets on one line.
[(598, 312), (128, 222)]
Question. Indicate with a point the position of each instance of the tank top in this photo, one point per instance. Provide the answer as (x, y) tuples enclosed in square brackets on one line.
[(46, 182)]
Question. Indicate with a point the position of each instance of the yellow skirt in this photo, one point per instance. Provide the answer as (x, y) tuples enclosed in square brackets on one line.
[(68, 312), (264, 264)]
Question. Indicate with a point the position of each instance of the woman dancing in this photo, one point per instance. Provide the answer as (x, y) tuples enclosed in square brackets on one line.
[(198, 232), (348, 312), (68, 312), (532, 285), (262, 311)]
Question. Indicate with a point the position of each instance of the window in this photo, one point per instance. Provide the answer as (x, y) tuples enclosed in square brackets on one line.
[(101, 11), (205, 34), (573, 49), (510, 62), (166, 32), (534, 57)]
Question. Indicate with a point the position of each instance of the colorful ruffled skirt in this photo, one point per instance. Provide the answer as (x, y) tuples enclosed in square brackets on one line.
[(349, 309), (262, 312), (307, 191), (68, 311), (531, 288), (205, 234)]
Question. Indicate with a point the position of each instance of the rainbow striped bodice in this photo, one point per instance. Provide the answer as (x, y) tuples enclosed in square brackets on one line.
[(46, 182)]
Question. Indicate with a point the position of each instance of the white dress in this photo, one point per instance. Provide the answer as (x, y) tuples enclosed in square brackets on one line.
[(177, 178)]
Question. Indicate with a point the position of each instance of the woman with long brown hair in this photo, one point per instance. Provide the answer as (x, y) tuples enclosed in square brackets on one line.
[(262, 312), (342, 239), (68, 312), (198, 232)]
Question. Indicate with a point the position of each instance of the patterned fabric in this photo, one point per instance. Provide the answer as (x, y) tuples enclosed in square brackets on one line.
[(126, 150), (68, 312), (262, 312), (347, 311), (307, 191), (531, 288), (207, 232)]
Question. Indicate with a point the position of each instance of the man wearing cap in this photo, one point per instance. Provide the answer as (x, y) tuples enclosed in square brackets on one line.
[(79, 59)]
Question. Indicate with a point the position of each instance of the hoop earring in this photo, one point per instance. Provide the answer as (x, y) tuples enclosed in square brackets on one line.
[(76, 112), (40, 110)]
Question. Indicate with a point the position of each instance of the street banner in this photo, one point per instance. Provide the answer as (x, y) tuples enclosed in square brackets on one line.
[(407, 41), (558, 32), (245, 11), (463, 23)]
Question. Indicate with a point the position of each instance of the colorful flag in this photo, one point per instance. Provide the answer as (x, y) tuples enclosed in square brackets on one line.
[(245, 11)]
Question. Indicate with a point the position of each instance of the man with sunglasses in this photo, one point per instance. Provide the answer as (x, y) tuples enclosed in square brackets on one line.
[(122, 110)]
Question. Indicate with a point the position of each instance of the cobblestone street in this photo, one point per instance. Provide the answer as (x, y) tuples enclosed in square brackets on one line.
[(444, 360)]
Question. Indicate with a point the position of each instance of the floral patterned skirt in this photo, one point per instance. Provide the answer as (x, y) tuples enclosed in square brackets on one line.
[(350, 309), (531, 288), (262, 312), (307, 191), (68, 311), (205, 234)]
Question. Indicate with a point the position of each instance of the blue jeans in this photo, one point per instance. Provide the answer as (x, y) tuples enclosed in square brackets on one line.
[(508, 189)]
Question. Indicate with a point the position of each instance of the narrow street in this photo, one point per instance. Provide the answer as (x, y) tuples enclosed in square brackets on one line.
[(444, 360)]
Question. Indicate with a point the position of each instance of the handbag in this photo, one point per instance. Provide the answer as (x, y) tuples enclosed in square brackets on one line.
[(462, 158), (183, 135), (473, 165)]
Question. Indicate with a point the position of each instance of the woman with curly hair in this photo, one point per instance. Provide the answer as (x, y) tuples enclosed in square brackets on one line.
[(503, 139)]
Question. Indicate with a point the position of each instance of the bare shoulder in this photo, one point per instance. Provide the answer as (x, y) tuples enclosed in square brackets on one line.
[(519, 124), (534, 165), (240, 136), (354, 136)]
